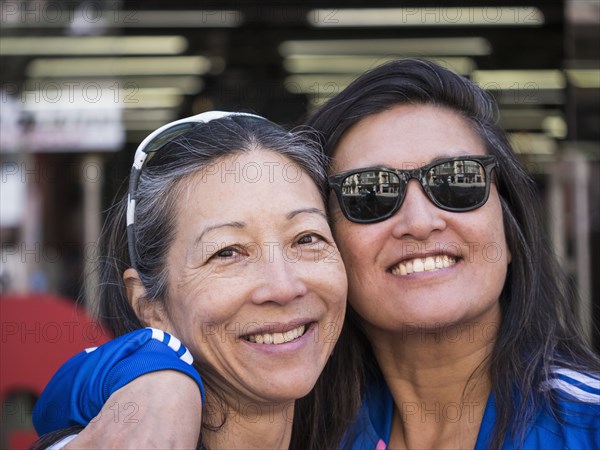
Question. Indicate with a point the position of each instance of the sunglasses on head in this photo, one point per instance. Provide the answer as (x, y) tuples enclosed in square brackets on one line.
[(148, 147), (373, 194)]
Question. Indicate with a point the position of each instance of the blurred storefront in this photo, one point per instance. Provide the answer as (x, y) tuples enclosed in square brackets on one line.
[(83, 82)]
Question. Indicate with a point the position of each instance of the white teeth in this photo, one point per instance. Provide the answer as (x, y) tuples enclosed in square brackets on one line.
[(276, 338), (418, 265), (428, 264)]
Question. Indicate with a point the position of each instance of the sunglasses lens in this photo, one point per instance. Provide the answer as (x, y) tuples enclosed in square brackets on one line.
[(458, 185), (371, 195), (168, 135)]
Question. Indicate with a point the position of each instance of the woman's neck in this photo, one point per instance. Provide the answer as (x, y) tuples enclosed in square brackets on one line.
[(253, 425), (439, 381)]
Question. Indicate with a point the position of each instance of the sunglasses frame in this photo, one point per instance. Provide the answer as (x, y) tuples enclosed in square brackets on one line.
[(148, 147), (488, 162)]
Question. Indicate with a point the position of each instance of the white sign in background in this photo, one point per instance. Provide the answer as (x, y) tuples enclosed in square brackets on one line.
[(62, 117)]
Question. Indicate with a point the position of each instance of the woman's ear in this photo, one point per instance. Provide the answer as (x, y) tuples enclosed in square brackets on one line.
[(150, 313)]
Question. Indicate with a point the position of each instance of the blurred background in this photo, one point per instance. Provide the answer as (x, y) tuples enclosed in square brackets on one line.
[(82, 83)]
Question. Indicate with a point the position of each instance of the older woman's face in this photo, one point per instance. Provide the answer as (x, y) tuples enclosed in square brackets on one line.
[(468, 288), (257, 289)]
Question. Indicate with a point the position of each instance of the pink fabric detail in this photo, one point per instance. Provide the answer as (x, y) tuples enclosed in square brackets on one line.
[(381, 445)]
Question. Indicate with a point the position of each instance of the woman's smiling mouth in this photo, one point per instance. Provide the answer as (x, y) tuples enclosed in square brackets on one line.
[(426, 264), (276, 338)]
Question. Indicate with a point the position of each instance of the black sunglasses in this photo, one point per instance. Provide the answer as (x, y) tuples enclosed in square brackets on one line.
[(454, 184)]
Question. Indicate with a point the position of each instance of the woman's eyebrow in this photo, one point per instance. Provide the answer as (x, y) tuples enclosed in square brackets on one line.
[(237, 224), (220, 225), (294, 213), (461, 154)]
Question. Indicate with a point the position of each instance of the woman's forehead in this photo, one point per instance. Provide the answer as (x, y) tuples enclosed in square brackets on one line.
[(406, 135), (245, 185)]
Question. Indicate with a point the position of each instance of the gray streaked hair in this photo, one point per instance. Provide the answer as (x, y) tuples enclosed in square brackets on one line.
[(159, 188)]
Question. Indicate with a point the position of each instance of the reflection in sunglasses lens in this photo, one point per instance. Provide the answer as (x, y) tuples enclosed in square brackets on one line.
[(457, 184), (373, 194)]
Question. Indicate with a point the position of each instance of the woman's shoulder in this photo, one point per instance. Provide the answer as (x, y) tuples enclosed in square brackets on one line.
[(574, 386), (574, 420)]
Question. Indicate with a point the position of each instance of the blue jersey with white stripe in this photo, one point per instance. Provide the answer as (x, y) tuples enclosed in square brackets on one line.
[(78, 391), (574, 425), (80, 388)]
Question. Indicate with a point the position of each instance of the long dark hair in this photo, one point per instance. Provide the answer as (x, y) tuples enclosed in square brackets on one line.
[(156, 199), (539, 328)]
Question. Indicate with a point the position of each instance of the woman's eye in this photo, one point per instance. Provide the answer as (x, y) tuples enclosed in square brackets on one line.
[(228, 252), (309, 239)]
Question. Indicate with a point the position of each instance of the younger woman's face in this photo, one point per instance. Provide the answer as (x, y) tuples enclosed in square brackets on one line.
[(471, 244), (257, 289)]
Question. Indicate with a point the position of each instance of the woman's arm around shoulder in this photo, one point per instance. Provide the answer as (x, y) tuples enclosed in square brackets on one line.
[(111, 385)]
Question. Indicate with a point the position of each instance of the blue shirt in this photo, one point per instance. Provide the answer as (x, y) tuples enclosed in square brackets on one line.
[(77, 392), (577, 425)]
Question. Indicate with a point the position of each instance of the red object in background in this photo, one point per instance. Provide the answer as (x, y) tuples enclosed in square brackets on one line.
[(38, 333)]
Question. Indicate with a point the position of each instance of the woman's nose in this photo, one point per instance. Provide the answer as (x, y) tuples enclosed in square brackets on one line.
[(417, 217), (280, 279)]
